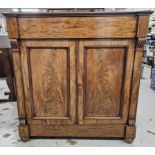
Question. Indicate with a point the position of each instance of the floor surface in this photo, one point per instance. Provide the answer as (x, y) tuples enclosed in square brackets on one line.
[(145, 124)]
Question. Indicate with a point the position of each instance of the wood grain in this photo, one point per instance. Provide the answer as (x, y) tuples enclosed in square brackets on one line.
[(104, 77), (19, 84), (135, 84), (130, 132), (78, 131), (142, 26), (103, 81), (48, 68), (24, 132), (77, 27), (12, 27), (49, 81), (141, 33)]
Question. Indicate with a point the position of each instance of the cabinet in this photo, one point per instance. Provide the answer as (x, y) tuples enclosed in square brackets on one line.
[(77, 74)]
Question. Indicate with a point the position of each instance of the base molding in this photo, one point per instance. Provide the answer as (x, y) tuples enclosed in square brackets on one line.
[(82, 131), (107, 131)]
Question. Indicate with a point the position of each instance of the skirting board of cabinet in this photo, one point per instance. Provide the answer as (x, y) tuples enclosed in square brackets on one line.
[(77, 131), (109, 131)]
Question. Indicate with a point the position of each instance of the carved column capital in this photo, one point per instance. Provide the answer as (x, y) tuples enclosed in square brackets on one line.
[(140, 42), (14, 45)]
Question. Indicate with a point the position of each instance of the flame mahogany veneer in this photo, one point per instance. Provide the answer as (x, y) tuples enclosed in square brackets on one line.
[(77, 74)]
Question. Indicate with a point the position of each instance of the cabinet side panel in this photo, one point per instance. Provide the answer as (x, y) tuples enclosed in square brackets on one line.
[(17, 65), (135, 86), (142, 30), (19, 82)]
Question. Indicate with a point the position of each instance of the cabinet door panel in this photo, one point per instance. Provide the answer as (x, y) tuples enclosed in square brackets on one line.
[(49, 82), (104, 88), (103, 81), (50, 67)]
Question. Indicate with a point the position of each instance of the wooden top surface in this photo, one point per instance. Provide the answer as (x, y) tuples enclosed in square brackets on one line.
[(64, 14)]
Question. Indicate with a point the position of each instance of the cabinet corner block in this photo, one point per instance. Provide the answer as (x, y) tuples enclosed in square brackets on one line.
[(130, 132), (24, 132)]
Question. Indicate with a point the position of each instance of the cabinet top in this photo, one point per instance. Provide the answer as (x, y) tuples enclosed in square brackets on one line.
[(70, 14)]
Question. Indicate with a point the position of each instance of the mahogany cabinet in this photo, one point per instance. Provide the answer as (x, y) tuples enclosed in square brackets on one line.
[(77, 74)]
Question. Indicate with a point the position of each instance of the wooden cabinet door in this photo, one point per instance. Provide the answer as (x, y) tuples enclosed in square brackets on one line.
[(49, 81), (103, 81)]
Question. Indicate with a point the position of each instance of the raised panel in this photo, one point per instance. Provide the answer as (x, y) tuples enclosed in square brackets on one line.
[(104, 77), (103, 81), (49, 81)]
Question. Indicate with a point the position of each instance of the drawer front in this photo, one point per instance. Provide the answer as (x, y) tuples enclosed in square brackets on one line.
[(78, 27)]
